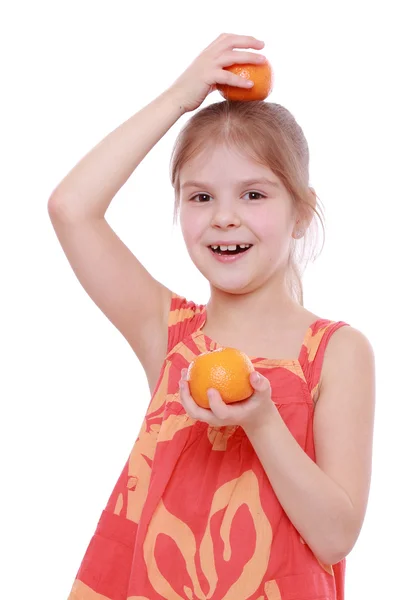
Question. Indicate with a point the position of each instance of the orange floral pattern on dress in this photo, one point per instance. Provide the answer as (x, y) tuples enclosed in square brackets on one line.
[(193, 515)]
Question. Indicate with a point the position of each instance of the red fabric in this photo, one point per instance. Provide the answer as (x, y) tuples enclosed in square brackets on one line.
[(193, 514)]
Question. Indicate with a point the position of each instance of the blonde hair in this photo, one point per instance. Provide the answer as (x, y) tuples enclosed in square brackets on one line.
[(270, 135)]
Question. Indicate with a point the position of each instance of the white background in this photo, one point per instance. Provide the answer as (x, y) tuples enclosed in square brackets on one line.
[(73, 393)]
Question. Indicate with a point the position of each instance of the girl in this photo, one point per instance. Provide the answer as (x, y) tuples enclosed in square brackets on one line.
[(265, 498)]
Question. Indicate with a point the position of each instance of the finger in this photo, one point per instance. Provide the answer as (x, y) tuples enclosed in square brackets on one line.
[(231, 40), (241, 58), (259, 382), (227, 78), (217, 405), (192, 409), (186, 399)]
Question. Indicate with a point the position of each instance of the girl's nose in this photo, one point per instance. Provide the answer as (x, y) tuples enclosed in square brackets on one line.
[(225, 218)]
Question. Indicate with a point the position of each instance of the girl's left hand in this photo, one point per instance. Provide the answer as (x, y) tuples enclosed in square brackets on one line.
[(249, 414)]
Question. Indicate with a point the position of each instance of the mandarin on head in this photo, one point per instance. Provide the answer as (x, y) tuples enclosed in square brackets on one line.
[(226, 370), (262, 76)]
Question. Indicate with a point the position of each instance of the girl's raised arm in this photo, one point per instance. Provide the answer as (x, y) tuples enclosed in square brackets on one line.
[(113, 277), (117, 282)]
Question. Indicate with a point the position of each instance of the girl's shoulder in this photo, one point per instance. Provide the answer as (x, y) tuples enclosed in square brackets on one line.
[(332, 351), (348, 350)]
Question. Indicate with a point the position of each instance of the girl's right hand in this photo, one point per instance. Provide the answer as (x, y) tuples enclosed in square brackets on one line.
[(207, 70)]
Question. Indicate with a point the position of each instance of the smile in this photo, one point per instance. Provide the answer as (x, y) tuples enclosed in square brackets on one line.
[(230, 250), (229, 253)]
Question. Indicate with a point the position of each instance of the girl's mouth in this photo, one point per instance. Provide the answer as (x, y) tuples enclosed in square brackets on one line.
[(229, 253), (229, 250)]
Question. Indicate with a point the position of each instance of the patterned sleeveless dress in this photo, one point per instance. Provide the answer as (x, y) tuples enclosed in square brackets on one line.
[(193, 515)]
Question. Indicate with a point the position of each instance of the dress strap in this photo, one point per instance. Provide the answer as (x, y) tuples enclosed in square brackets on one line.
[(185, 317), (313, 351)]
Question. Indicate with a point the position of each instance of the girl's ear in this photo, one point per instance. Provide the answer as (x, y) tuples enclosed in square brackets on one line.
[(304, 219), (313, 196), (310, 212)]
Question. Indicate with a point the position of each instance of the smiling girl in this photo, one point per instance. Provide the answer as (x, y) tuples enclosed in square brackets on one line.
[(262, 499)]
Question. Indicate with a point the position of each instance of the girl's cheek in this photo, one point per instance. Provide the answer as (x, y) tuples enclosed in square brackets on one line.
[(192, 225)]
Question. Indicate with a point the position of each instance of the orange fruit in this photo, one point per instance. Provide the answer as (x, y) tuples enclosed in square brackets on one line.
[(226, 370), (260, 74)]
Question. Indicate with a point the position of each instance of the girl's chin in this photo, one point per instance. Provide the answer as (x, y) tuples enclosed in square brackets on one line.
[(232, 286), (238, 282)]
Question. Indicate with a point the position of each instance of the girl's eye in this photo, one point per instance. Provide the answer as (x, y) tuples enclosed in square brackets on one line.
[(201, 197), (255, 195), (206, 197)]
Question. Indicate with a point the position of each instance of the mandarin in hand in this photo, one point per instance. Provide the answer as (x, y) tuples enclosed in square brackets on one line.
[(260, 74), (226, 370)]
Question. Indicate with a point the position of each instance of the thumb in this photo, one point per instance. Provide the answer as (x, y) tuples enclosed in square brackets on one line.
[(259, 382)]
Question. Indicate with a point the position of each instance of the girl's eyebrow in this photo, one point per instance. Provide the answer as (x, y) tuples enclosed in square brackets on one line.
[(244, 182), (264, 180)]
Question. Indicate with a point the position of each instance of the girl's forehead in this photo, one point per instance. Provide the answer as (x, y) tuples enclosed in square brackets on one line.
[(221, 161)]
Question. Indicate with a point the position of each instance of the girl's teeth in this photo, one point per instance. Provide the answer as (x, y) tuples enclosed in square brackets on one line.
[(230, 248)]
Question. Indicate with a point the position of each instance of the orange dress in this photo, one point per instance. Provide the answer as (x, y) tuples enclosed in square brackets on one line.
[(193, 515)]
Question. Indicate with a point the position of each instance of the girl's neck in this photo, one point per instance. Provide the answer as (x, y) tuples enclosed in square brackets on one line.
[(262, 323), (267, 305)]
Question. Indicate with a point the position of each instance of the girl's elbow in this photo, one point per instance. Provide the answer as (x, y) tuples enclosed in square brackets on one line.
[(336, 547), (330, 557), (334, 553)]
